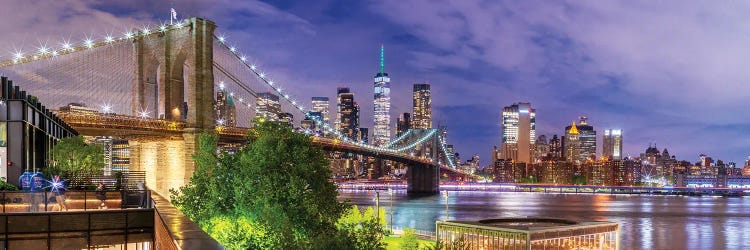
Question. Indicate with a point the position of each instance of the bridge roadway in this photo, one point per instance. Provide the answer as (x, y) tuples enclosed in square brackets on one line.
[(149, 129)]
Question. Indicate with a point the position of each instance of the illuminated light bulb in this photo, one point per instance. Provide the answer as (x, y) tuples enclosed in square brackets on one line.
[(243, 58), (231, 93), (163, 28), (242, 100), (66, 46), (128, 35), (252, 67), (43, 50), (146, 31), (89, 43), (108, 39), (221, 39), (221, 85), (54, 53), (220, 122), (270, 83), (262, 75), (233, 49)]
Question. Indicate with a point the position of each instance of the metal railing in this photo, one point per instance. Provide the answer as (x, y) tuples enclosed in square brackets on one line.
[(430, 235), (40, 202)]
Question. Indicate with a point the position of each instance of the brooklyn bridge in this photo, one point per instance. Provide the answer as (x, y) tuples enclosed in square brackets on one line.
[(157, 86)]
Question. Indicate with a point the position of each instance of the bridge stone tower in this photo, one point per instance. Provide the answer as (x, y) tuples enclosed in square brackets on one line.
[(173, 80)]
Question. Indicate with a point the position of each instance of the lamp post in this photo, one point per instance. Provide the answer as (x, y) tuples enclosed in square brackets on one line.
[(445, 195), (377, 206), (390, 191)]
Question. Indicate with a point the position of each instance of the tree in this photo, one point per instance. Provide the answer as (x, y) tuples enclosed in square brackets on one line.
[(73, 157), (283, 181), (362, 230), (278, 184), (409, 239)]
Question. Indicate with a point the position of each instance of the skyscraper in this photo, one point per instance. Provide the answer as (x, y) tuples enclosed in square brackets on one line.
[(348, 114), (518, 132), (422, 107), (364, 135), (571, 144), (321, 104), (555, 147), (382, 129), (225, 112), (268, 106), (339, 91), (580, 141), (612, 141), (403, 123)]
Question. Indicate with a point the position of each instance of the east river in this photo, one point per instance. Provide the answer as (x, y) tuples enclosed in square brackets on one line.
[(647, 221)]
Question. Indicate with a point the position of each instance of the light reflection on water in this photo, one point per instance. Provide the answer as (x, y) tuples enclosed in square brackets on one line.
[(647, 221)]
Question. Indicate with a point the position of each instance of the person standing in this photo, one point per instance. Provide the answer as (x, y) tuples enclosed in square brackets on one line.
[(101, 194), (58, 188)]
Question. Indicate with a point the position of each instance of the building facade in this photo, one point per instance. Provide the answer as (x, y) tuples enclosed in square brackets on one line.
[(348, 114), (225, 113), (518, 132), (612, 144), (422, 107), (403, 123), (268, 107), (322, 106), (28, 131), (580, 141), (382, 126)]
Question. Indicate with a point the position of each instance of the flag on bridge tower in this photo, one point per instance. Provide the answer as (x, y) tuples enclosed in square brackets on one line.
[(173, 15)]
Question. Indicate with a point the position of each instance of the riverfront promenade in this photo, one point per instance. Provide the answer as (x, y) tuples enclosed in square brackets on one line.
[(551, 188)]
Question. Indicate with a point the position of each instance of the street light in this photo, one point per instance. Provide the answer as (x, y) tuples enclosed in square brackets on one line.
[(390, 191), (445, 195), (377, 206)]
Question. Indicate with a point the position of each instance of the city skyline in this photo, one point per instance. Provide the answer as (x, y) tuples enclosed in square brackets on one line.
[(627, 97)]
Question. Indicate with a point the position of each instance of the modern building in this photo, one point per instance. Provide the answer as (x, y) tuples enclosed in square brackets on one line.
[(364, 135), (403, 123), (382, 126), (555, 147), (28, 131), (518, 132), (116, 154), (580, 146), (348, 114), (321, 105), (422, 107), (286, 117), (571, 144), (339, 91), (612, 144), (541, 149), (530, 233), (267, 106), (225, 113)]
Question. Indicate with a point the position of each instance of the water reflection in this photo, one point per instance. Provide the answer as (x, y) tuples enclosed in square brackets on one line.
[(647, 222)]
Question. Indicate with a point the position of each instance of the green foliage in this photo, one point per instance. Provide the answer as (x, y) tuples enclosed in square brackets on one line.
[(72, 156), (239, 232), (409, 240), (579, 180), (363, 231), (278, 184), (4, 186), (530, 179)]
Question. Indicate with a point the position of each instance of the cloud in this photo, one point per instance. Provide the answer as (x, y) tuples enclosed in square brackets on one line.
[(627, 61)]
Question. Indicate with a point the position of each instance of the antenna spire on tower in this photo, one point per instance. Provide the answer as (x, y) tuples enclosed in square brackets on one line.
[(382, 59)]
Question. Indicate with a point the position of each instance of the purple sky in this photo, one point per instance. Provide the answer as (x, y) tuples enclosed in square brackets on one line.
[(666, 72)]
